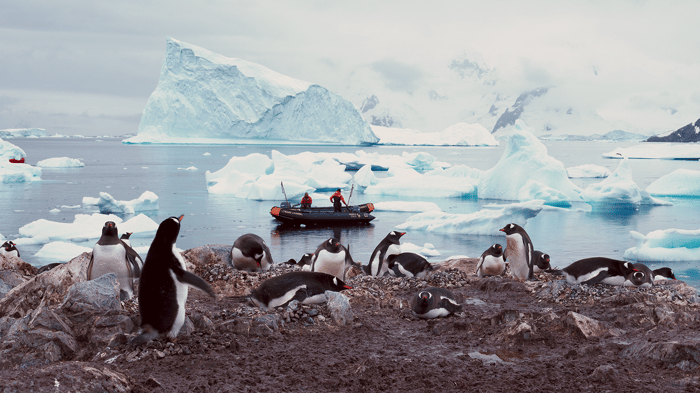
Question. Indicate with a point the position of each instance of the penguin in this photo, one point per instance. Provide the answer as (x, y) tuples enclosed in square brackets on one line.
[(433, 303), (48, 267), (491, 262), (388, 246), (250, 252), (598, 269), (664, 273), (540, 262), (643, 277), (9, 248), (125, 238), (518, 252), (408, 264), (333, 258), (304, 262), (164, 284), (306, 287), (111, 255)]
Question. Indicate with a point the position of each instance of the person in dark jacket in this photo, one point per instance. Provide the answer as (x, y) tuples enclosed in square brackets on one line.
[(306, 200), (336, 198)]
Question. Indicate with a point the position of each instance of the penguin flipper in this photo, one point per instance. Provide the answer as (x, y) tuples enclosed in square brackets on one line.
[(450, 305), (193, 280), (595, 280)]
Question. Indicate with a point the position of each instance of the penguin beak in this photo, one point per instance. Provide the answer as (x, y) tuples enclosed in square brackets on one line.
[(501, 230), (181, 217), (347, 286)]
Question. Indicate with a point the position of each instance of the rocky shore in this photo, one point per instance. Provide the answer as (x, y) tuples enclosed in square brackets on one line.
[(60, 333)]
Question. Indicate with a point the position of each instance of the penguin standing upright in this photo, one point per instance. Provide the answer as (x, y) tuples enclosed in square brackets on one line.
[(518, 251), (598, 270), (125, 237), (250, 252), (9, 248), (306, 287), (388, 246), (643, 277), (163, 286), (434, 302), (491, 262), (331, 257), (408, 264), (540, 262), (111, 255)]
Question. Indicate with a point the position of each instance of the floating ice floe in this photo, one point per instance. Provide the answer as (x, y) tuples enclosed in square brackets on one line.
[(483, 222), (406, 206), (365, 177), (588, 170), (534, 190), (61, 251), (658, 150), (669, 245), (525, 159), (10, 151), (15, 172), (408, 182), (460, 134), (84, 227), (148, 201), (60, 162), (190, 168), (426, 250), (679, 183), (619, 192)]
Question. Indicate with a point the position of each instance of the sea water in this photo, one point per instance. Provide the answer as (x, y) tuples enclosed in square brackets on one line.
[(126, 171)]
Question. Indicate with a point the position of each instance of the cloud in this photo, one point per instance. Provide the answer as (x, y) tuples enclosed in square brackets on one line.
[(398, 76)]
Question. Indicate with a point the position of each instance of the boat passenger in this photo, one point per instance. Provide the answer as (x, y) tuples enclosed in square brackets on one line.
[(306, 200), (336, 198)]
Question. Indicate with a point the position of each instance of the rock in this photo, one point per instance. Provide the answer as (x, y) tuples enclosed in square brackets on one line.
[(487, 359), (589, 327), (339, 307), (684, 354), (187, 327), (202, 323), (467, 265), (4, 288), (271, 320), (152, 383), (109, 325), (70, 377), (604, 374), (209, 255), (13, 263), (94, 296), (12, 278), (517, 330)]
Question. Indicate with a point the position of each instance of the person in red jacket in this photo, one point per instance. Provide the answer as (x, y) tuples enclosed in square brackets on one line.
[(306, 200), (336, 198)]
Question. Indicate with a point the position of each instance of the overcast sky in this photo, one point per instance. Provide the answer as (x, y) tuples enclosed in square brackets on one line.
[(88, 67)]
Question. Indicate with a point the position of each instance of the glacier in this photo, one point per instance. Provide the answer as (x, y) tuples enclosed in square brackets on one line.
[(204, 97)]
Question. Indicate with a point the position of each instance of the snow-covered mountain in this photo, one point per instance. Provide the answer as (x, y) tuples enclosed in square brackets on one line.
[(687, 133), (204, 95)]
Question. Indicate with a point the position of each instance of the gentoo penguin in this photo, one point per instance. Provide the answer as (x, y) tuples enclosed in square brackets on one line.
[(331, 257), (48, 267), (540, 262), (125, 238), (9, 248), (389, 245), (642, 278), (304, 262), (163, 285), (250, 252), (111, 255), (491, 262), (598, 269), (408, 264), (434, 302), (664, 273), (306, 287), (518, 252)]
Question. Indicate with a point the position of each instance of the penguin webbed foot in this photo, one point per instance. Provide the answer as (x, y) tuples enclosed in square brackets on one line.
[(146, 335)]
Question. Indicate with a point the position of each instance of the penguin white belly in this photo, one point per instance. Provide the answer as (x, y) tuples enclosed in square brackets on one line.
[(315, 299), (434, 313), (491, 266), (284, 299), (585, 277), (614, 280), (404, 271), (241, 261), (181, 297), (13, 253), (331, 263), (517, 256), (112, 259)]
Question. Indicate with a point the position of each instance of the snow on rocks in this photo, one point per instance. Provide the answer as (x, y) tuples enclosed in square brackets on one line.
[(669, 245), (60, 162), (679, 183), (148, 201), (484, 222), (524, 159)]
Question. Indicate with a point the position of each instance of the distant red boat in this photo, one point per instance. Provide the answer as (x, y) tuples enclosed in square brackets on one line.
[(20, 161)]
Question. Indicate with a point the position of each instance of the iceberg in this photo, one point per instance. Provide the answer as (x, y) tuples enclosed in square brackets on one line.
[(61, 251), (588, 170), (679, 183), (406, 206), (619, 192), (525, 159), (669, 245), (484, 222), (23, 133), (365, 177), (9, 151), (84, 227), (661, 151), (460, 134), (18, 173), (409, 182), (204, 97), (148, 201), (60, 162), (533, 190), (427, 250)]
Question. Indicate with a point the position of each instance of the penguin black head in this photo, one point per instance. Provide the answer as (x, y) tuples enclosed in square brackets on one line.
[(169, 229), (511, 229), (109, 229), (637, 278), (126, 235), (423, 301), (333, 245), (9, 246), (394, 236), (340, 285), (497, 249)]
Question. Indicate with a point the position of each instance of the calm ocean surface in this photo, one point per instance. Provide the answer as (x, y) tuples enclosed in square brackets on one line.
[(126, 171)]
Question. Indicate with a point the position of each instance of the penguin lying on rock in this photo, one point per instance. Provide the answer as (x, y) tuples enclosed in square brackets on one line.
[(491, 262), (408, 264), (540, 262), (305, 287), (250, 252), (598, 270), (163, 286), (333, 258), (434, 302), (664, 273)]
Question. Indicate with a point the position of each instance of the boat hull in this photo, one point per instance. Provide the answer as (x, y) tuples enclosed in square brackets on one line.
[(352, 215)]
